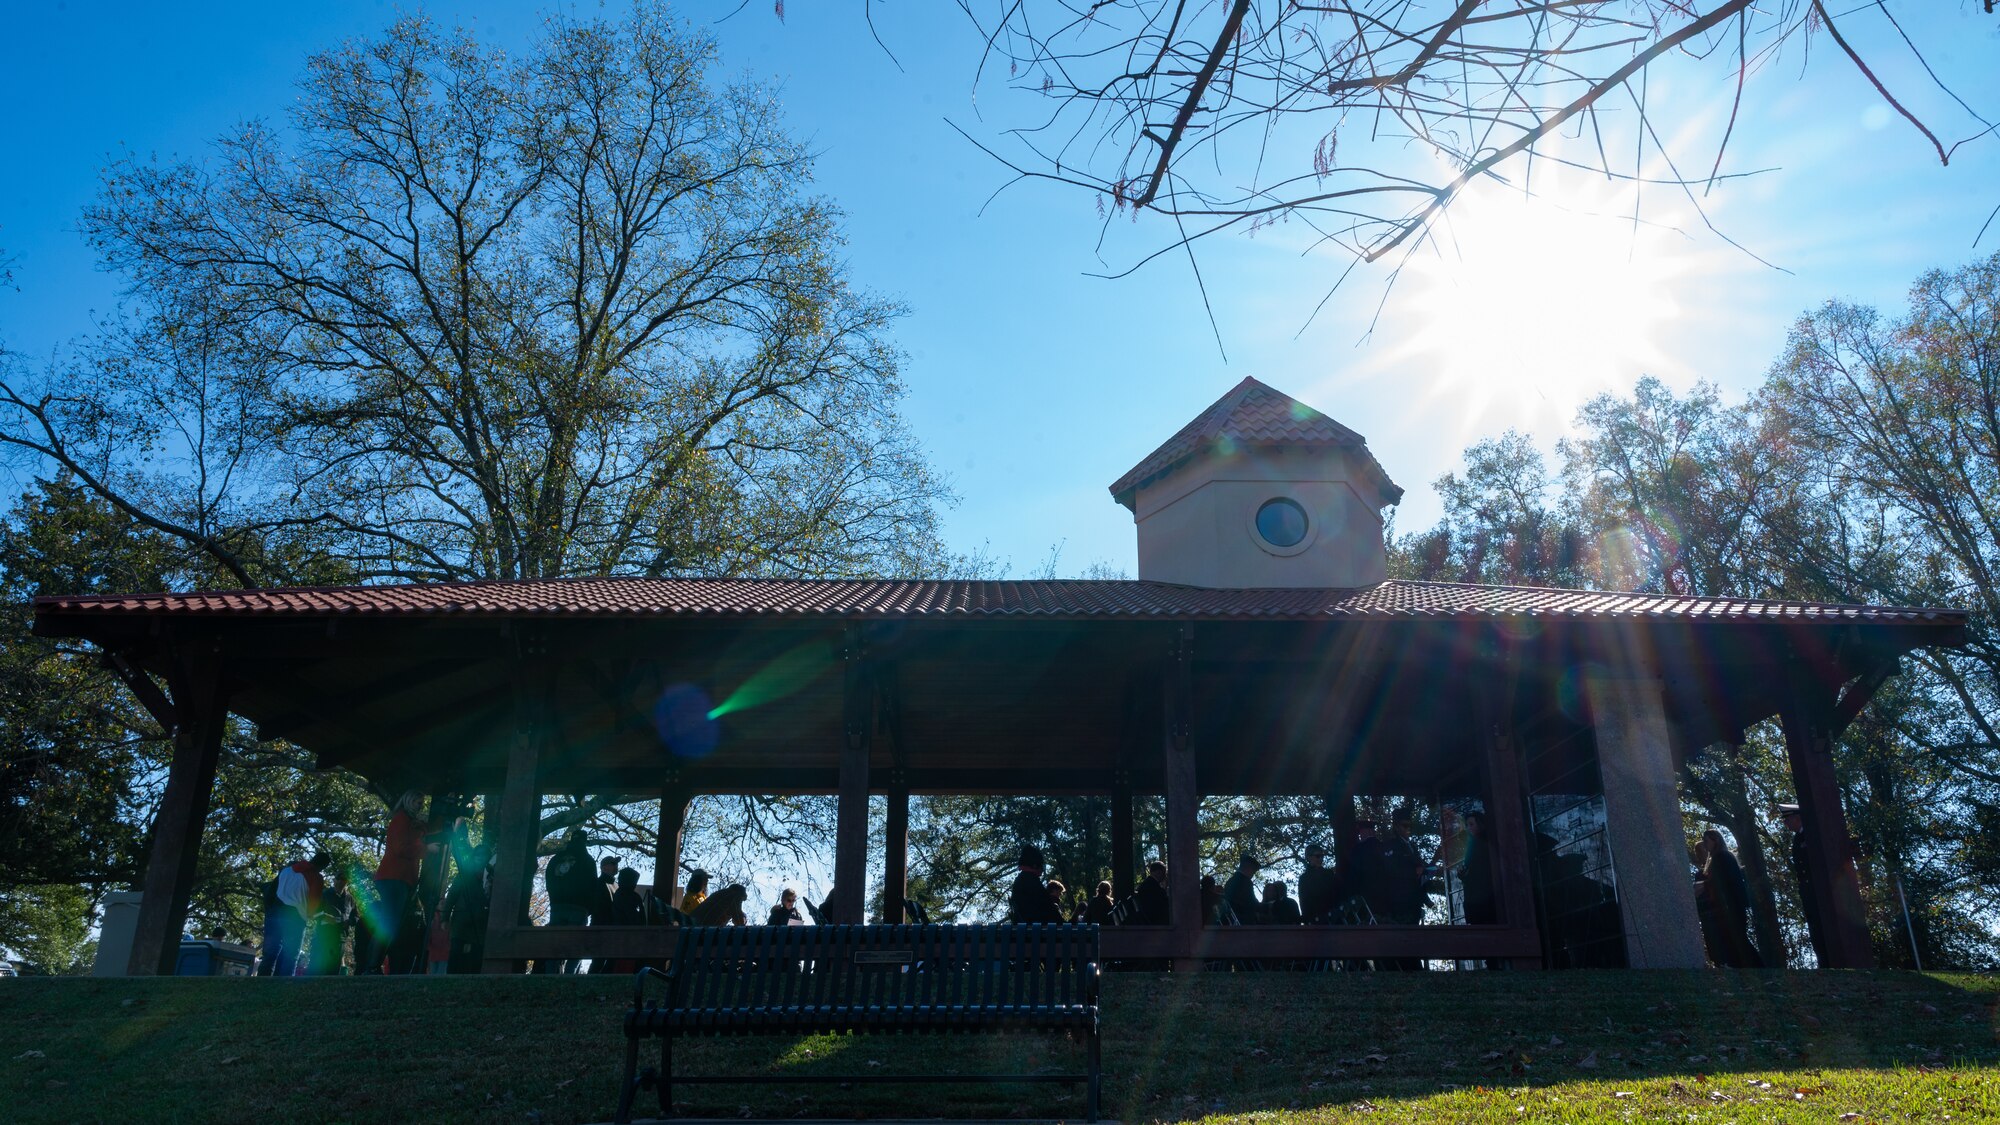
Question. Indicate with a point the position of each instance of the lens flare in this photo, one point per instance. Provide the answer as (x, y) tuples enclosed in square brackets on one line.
[(780, 678), (682, 718)]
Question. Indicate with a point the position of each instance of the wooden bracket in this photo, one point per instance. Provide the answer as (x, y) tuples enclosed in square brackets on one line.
[(144, 688)]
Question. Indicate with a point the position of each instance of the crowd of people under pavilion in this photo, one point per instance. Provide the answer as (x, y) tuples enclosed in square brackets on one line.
[(321, 920)]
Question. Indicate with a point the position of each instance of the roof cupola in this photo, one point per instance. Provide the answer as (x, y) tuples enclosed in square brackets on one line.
[(1260, 491)]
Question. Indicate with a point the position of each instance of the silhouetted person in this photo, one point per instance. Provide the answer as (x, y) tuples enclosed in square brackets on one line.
[(1392, 880), (723, 908), (697, 891), (395, 879), (607, 884), (1028, 899), (571, 882), (1100, 908), (272, 949), (300, 886), (1151, 905), (1240, 892), (1278, 907), (1319, 887), (628, 908), (327, 945), (1802, 860), (786, 913), (466, 906), (1215, 909), (1722, 898)]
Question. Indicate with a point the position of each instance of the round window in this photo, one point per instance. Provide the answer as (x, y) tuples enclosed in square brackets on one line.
[(1282, 522)]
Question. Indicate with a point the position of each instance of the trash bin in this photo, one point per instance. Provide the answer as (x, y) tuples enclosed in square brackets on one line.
[(214, 959)]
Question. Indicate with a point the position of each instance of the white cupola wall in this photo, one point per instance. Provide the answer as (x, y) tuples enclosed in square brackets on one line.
[(1260, 491)]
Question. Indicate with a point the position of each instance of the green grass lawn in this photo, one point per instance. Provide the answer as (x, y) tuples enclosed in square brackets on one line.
[(1446, 1047)]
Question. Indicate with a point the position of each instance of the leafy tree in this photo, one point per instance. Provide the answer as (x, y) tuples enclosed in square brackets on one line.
[(1500, 524), (1897, 421), (466, 316), (47, 927), (81, 763), (473, 317)]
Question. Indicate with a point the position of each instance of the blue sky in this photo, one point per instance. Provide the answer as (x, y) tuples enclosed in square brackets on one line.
[(1033, 384)]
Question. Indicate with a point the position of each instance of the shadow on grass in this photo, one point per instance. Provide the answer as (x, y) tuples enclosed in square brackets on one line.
[(1321, 1047)]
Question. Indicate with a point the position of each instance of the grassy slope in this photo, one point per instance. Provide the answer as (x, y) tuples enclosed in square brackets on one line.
[(1462, 1047)]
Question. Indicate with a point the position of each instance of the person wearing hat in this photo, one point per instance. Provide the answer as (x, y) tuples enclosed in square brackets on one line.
[(1392, 879), (1240, 892), (571, 882), (1028, 900), (1795, 823)]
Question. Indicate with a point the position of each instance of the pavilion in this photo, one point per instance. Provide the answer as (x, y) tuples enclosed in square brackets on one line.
[(1263, 650)]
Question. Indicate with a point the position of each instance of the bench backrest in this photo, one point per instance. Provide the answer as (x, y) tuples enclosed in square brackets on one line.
[(1022, 966)]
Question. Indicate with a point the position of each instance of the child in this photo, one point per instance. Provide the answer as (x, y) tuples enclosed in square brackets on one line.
[(437, 945)]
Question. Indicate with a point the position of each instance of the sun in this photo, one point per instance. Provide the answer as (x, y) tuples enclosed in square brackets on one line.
[(1518, 307)]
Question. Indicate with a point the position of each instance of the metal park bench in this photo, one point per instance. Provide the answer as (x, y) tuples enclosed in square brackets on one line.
[(806, 980)]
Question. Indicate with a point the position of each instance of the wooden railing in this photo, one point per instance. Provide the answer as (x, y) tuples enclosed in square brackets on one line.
[(1438, 943)]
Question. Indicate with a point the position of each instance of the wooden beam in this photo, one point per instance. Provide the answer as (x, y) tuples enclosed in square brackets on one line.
[(515, 829), (896, 852), (850, 837), (201, 700), (674, 799), (1430, 943), (1507, 833), (1857, 695), (143, 688), (1839, 926), (1125, 860), (1183, 800)]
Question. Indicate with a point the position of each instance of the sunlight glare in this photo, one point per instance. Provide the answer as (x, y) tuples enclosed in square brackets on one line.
[(1520, 308)]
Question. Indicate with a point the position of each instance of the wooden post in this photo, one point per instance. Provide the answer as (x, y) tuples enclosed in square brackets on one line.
[(201, 704), (896, 849), (1124, 861), (850, 836), (674, 801), (1183, 803), (1507, 835), (513, 832), (1841, 936)]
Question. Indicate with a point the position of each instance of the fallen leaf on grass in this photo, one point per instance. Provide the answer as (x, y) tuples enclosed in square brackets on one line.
[(29, 1055), (1622, 1094), (1588, 1062), (1848, 1117), (227, 1061), (1555, 1041)]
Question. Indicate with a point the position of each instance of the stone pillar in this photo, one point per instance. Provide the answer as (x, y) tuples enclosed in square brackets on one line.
[(1642, 811)]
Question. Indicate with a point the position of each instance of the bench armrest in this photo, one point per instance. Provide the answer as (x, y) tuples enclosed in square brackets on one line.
[(639, 982)]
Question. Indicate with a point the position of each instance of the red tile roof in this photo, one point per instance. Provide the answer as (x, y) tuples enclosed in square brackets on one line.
[(1251, 415), (1063, 599)]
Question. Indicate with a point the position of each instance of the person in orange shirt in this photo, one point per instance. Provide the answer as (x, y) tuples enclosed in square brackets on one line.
[(395, 880)]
